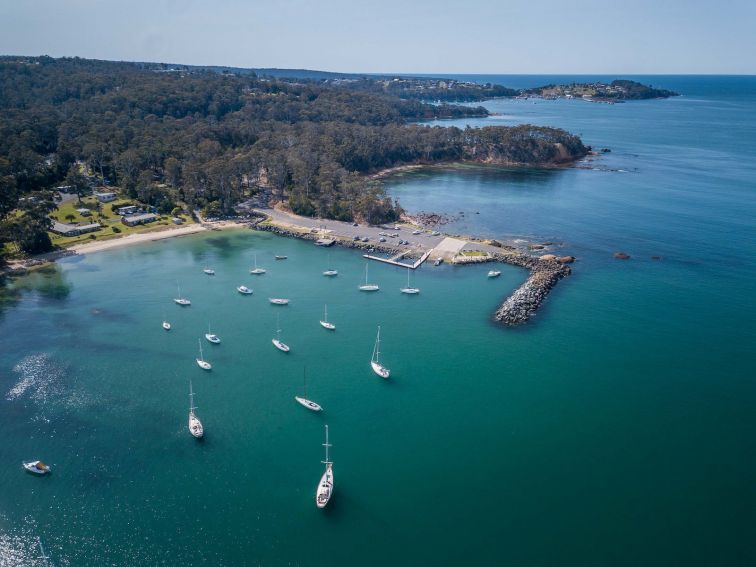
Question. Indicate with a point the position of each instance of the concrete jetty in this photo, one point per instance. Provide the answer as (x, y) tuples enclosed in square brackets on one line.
[(394, 261)]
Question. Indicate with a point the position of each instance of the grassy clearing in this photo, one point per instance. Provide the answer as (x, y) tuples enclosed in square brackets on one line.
[(111, 222)]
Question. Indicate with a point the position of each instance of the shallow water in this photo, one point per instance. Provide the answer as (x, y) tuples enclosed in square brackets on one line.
[(615, 428)]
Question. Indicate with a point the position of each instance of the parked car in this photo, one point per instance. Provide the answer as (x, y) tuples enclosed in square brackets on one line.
[(381, 239)]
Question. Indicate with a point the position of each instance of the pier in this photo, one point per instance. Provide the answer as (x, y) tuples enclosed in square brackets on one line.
[(394, 260)]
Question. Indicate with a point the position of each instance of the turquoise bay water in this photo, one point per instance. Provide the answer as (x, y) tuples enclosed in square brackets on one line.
[(616, 428)]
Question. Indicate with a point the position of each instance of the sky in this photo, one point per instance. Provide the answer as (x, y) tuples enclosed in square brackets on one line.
[(396, 36)]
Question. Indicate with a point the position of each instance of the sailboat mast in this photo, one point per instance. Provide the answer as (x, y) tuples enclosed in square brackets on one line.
[(326, 445)]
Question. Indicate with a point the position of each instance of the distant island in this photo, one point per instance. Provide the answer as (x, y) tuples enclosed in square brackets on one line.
[(163, 141), (616, 91)]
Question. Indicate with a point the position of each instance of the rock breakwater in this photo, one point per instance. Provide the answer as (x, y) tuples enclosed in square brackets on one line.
[(519, 307)]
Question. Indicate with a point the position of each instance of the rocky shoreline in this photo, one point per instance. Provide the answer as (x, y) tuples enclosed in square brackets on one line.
[(516, 309)]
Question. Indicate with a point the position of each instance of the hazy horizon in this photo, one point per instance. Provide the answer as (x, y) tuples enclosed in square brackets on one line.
[(394, 37)]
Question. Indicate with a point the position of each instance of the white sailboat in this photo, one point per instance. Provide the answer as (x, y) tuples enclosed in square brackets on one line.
[(281, 257), (278, 300), (244, 290), (181, 300), (325, 486), (212, 337), (309, 404), (195, 425), (201, 362), (330, 272), (256, 270), (494, 274), (378, 368), (409, 290), (368, 286), (325, 324), (277, 341), (209, 271)]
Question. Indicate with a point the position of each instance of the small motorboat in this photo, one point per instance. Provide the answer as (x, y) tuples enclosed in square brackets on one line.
[(278, 300), (281, 257), (438, 261), (331, 273), (494, 274), (37, 467), (244, 290), (209, 271), (166, 325)]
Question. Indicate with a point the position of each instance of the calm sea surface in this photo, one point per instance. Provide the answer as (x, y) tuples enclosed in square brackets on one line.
[(617, 428)]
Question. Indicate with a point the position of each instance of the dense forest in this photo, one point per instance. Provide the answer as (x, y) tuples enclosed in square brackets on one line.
[(209, 139)]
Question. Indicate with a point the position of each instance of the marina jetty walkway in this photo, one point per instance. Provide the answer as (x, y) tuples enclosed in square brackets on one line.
[(516, 309)]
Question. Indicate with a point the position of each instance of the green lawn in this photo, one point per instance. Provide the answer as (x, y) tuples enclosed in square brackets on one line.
[(107, 218)]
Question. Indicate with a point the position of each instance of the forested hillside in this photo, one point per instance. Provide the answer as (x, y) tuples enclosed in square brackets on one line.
[(168, 136)]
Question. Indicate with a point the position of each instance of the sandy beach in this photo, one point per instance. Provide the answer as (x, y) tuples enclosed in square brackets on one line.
[(129, 240)]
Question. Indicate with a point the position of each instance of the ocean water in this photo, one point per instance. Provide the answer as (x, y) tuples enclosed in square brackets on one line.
[(617, 428)]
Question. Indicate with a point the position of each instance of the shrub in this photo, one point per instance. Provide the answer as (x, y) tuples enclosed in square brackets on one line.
[(116, 229)]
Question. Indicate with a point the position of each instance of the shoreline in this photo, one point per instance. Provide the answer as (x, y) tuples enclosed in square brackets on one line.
[(19, 267), (399, 169)]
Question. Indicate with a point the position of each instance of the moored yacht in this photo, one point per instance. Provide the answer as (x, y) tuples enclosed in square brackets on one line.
[(278, 300), (181, 300), (325, 486), (494, 274), (409, 290), (330, 272), (368, 286), (283, 347), (195, 425), (212, 337), (244, 290), (309, 404), (209, 271), (256, 270), (325, 324), (201, 362), (377, 367)]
